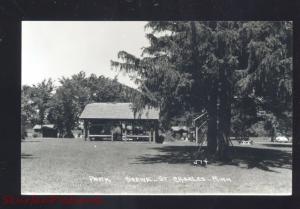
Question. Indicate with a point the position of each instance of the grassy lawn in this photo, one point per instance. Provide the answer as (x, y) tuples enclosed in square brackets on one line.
[(78, 166)]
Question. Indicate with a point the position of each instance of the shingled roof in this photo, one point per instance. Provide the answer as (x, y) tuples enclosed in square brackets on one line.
[(116, 111), (43, 126)]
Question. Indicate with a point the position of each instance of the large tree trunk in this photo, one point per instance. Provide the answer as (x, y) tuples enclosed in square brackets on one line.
[(69, 133), (224, 113), (212, 121), (219, 113)]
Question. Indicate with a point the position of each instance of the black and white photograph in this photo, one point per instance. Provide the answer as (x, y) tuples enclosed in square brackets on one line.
[(156, 107)]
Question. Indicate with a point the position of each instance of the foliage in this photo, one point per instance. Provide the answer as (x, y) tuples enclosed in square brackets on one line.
[(27, 110), (268, 46), (35, 101), (76, 92), (190, 66), (180, 70), (62, 105)]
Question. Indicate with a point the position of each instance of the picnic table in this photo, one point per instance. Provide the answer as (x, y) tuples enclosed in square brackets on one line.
[(244, 140)]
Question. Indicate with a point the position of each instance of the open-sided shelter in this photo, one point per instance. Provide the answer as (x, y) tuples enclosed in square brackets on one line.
[(46, 130), (119, 121), (180, 132)]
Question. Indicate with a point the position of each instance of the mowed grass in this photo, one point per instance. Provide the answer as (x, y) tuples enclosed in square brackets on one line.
[(66, 165)]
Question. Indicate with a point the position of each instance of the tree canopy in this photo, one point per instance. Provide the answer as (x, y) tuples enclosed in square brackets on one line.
[(229, 70), (192, 66), (62, 105)]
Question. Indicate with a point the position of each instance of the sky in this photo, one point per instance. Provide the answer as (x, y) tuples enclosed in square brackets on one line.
[(52, 49)]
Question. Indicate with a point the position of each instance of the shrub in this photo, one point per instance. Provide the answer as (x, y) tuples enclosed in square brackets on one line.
[(35, 135), (258, 129), (160, 139)]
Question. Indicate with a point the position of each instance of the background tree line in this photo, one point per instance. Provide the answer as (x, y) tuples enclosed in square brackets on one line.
[(230, 70), (62, 105)]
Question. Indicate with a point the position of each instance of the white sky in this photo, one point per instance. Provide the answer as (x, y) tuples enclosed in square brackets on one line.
[(52, 49)]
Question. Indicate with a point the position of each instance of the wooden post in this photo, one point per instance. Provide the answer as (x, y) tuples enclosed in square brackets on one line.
[(196, 135), (132, 126), (112, 133), (150, 135), (121, 126), (88, 130), (84, 130), (155, 134)]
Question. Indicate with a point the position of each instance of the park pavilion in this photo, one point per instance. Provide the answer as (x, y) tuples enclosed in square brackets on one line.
[(119, 121), (45, 130)]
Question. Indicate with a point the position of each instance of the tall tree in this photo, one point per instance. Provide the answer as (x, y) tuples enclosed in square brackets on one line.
[(190, 66), (40, 97), (76, 92), (27, 109), (68, 102), (268, 52), (183, 67)]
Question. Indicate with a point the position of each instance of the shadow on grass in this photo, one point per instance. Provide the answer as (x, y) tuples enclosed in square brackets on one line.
[(29, 141), (244, 157), (27, 156), (278, 145)]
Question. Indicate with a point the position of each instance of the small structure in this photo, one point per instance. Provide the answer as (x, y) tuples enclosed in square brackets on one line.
[(199, 122), (180, 132), (47, 130), (29, 132), (119, 121)]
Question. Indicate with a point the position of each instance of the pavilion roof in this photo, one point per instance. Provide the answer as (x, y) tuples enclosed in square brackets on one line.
[(117, 111)]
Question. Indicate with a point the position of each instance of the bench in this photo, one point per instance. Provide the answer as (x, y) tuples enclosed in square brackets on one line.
[(134, 136), (246, 142), (92, 136), (201, 162)]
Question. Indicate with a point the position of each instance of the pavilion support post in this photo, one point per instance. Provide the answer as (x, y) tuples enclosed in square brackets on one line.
[(133, 126), (122, 132), (155, 134), (84, 130), (85, 125), (112, 133), (88, 130), (150, 135), (196, 135)]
